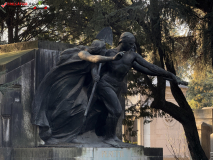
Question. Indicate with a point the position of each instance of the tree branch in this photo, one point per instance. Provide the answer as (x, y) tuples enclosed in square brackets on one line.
[(149, 83)]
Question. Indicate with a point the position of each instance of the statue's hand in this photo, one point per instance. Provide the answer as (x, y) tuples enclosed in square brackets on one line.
[(179, 81), (118, 56), (96, 78), (184, 83)]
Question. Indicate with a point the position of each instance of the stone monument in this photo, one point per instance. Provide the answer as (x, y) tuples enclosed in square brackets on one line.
[(62, 84), (60, 106)]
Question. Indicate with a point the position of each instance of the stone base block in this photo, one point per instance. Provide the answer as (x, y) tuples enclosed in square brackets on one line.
[(5, 153), (211, 156), (60, 153)]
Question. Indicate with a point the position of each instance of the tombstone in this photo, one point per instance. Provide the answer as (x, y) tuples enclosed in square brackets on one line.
[(211, 145), (26, 64), (203, 118), (206, 131)]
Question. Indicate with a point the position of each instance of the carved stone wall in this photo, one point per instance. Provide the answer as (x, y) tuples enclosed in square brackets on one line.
[(26, 71)]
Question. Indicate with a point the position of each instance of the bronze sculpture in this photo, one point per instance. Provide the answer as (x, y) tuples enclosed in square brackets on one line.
[(62, 97), (109, 85)]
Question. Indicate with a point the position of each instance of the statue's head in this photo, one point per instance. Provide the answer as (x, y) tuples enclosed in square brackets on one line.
[(127, 41), (97, 47)]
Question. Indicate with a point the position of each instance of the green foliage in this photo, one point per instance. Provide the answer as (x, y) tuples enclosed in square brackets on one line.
[(24, 24), (200, 91)]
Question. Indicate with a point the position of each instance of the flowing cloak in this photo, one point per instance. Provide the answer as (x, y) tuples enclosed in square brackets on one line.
[(61, 98)]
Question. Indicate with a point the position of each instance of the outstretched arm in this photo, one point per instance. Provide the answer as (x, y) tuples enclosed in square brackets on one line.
[(154, 68), (157, 70), (84, 55), (144, 70)]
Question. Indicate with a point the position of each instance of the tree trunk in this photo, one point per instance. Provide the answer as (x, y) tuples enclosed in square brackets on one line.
[(156, 34), (192, 137), (16, 38), (187, 119), (10, 23), (210, 30), (10, 34), (185, 116)]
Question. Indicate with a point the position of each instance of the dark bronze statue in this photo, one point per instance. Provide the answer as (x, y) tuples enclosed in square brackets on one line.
[(62, 97), (111, 80)]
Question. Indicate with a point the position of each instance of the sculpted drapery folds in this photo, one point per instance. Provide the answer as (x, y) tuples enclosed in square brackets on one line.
[(61, 98)]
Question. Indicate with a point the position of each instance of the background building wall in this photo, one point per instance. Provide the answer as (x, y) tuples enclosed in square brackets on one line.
[(164, 132)]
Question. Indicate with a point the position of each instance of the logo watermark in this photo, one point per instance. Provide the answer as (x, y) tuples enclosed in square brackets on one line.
[(26, 5)]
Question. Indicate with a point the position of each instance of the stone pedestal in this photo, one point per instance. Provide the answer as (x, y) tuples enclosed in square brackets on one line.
[(211, 144), (211, 156), (63, 153)]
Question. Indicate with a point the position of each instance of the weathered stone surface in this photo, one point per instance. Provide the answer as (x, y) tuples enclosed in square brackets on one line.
[(45, 60), (119, 153), (26, 71), (211, 142), (153, 151), (54, 45), (73, 153), (90, 139), (203, 115), (5, 153), (206, 131), (15, 64), (211, 156), (15, 47), (51, 153)]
